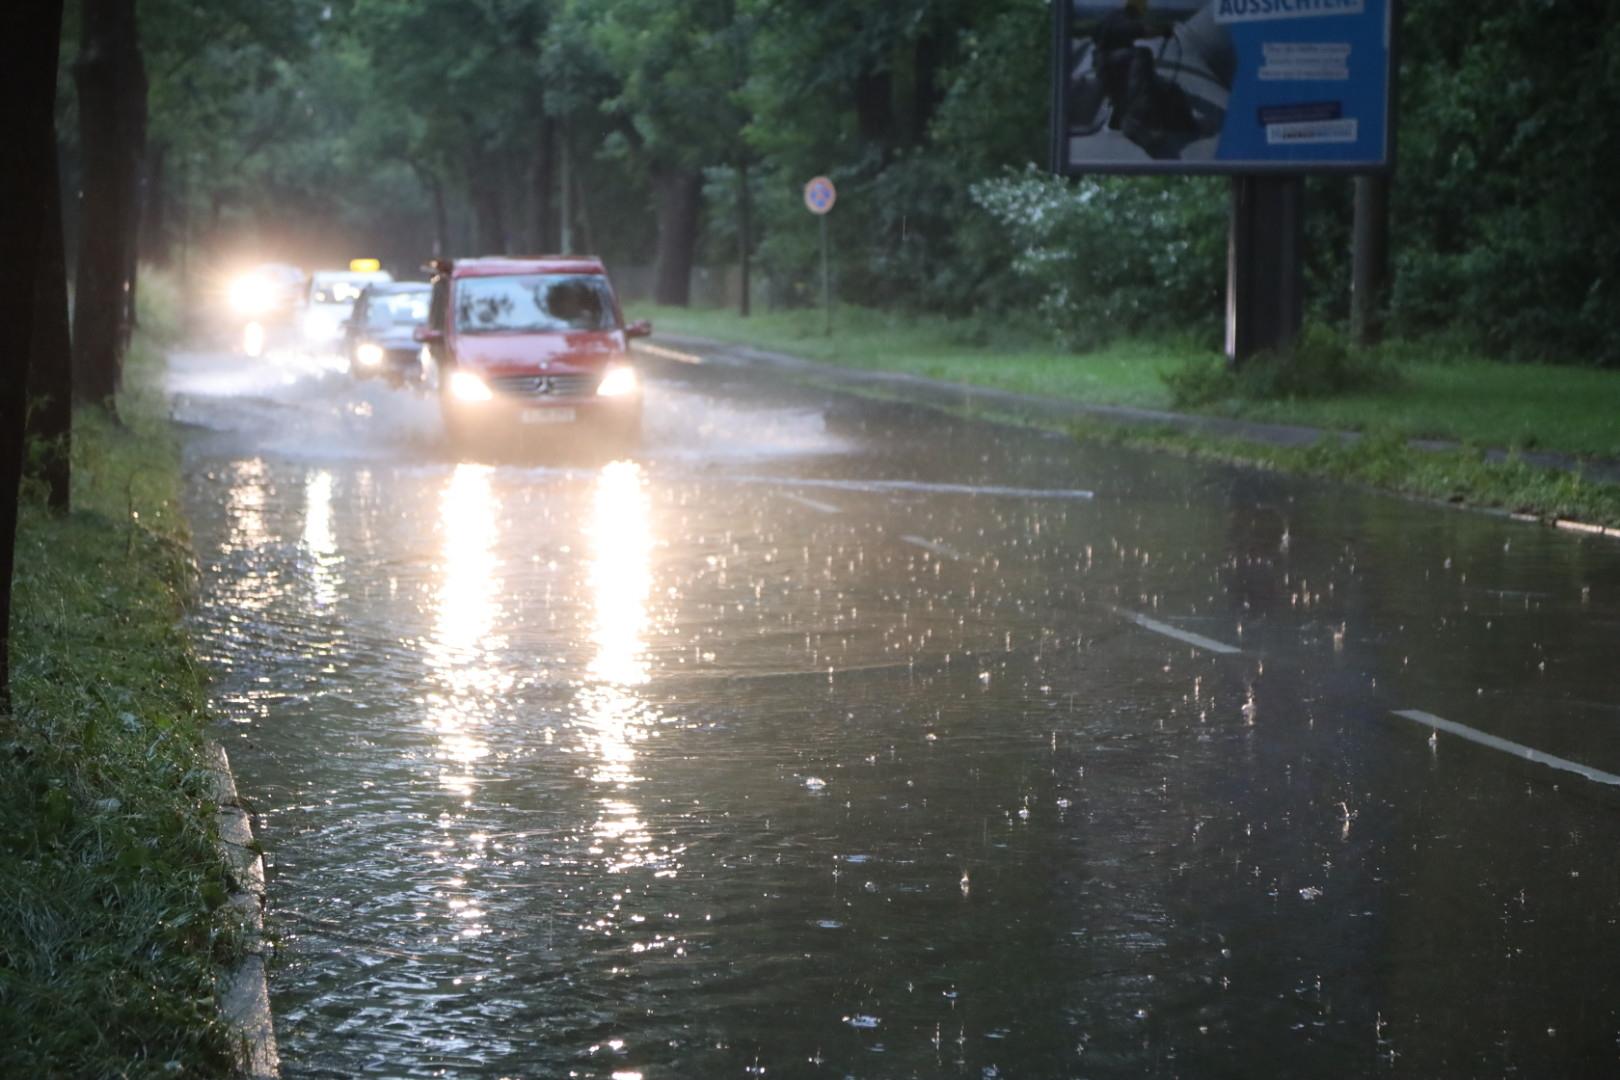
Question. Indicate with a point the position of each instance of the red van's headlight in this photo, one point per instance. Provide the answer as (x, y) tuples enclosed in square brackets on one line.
[(465, 386), (619, 380)]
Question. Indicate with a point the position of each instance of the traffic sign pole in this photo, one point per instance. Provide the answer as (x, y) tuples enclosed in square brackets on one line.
[(826, 281), (819, 196)]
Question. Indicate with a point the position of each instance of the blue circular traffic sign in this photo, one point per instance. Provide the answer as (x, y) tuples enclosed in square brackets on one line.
[(819, 195)]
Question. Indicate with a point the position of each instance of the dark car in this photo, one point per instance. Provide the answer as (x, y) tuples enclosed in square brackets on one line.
[(378, 337), (533, 343)]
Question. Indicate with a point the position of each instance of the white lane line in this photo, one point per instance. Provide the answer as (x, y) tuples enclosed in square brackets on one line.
[(667, 354), (919, 486), (825, 508), (1196, 640), (1518, 750), (937, 549)]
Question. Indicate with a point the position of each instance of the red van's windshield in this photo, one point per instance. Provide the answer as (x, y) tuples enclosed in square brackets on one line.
[(533, 303)]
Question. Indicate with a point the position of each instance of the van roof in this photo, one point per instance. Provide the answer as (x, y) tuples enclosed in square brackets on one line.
[(500, 265)]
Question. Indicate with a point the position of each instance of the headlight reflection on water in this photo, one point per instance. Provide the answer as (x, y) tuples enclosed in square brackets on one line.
[(469, 684), (620, 575), (318, 539), (615, 717)]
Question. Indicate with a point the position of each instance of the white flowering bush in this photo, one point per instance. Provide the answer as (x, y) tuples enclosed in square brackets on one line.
[(1115, 255)]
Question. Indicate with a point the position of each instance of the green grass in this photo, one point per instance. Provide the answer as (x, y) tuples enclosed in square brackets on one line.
[(1568, 409), (1006, 358), (1385, 461), (1436, 392), (113, 911)]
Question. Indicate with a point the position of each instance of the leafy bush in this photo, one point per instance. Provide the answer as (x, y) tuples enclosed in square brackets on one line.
[(1106, 257), (1199, 381), (1321, 364)]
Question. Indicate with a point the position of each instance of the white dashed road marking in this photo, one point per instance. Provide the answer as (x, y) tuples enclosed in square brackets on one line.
[(1518, 750), (1196, 640), (825, 508), (929, 545), (667, 354), (920, 486)]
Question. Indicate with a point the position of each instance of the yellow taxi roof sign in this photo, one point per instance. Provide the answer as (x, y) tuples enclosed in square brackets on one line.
[(364, 266)]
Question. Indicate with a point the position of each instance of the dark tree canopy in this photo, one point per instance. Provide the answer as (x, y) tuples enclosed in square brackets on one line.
[(669, 135)]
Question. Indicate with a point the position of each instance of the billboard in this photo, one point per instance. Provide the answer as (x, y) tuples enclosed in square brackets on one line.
[(1222, 86)]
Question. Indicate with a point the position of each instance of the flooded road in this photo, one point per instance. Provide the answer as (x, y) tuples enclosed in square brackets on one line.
[(838, 738)]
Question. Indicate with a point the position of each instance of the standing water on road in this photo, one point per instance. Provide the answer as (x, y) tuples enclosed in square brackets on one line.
[(830, 738)]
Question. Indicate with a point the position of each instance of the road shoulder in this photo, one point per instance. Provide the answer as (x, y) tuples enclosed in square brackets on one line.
[(1556, 489)]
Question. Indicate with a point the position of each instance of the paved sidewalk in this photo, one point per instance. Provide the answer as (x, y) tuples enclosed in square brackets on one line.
[(951, 395)]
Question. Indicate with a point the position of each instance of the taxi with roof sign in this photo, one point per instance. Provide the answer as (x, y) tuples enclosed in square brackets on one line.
[(330, 301)]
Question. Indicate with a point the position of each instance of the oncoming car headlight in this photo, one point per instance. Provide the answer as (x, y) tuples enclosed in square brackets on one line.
[(465, 386), (369, 354), (618, 381), (251, 295)]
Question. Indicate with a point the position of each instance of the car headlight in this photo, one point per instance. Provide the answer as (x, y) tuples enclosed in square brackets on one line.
[(250, 295), (369, 354), (619, 381), (465, 386)]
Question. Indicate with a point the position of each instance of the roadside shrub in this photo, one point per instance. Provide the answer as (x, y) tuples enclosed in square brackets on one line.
[(1104, 257), (1202, 380), (1321, 364)]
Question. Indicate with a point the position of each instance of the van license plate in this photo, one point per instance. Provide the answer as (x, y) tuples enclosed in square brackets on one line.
[(547, 416)]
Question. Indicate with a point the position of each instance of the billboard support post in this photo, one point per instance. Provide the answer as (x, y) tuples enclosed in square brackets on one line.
[(1265, 278), (1369, 260)]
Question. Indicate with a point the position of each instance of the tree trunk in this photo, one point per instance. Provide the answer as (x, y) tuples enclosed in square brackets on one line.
[(926, 94), (680, 197), (154, 238), (491, 219), (543, 222), (565, 211), (745, 240), (441, 216), (132, 126), (30, 35), (1369, 260), (874, 110), (100, 296), (582, 203), (50, 360)]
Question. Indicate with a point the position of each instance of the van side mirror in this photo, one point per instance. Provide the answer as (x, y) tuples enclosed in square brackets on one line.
[(427, 335), (639, 328)]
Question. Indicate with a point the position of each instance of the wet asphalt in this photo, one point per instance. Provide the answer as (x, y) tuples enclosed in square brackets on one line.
[(834, 737)]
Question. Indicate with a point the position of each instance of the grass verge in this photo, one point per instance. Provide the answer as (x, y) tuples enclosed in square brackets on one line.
[(1385, 461), (113, 912), (1463, 477), (973, 352), (1432, 389)]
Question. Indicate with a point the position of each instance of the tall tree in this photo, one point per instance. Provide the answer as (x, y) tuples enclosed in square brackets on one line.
[(680, 111), (50, 361), (107, 72), (30, 36)]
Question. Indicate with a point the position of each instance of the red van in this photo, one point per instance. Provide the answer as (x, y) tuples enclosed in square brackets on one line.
[(531, 343)]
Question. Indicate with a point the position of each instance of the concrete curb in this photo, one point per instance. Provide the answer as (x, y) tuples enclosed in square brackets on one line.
[(243, 992)]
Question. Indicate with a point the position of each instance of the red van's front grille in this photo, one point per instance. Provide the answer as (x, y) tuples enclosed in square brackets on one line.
[(542, 386)]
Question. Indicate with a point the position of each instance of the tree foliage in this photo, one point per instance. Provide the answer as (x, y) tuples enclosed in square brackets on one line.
[(683, 131)]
